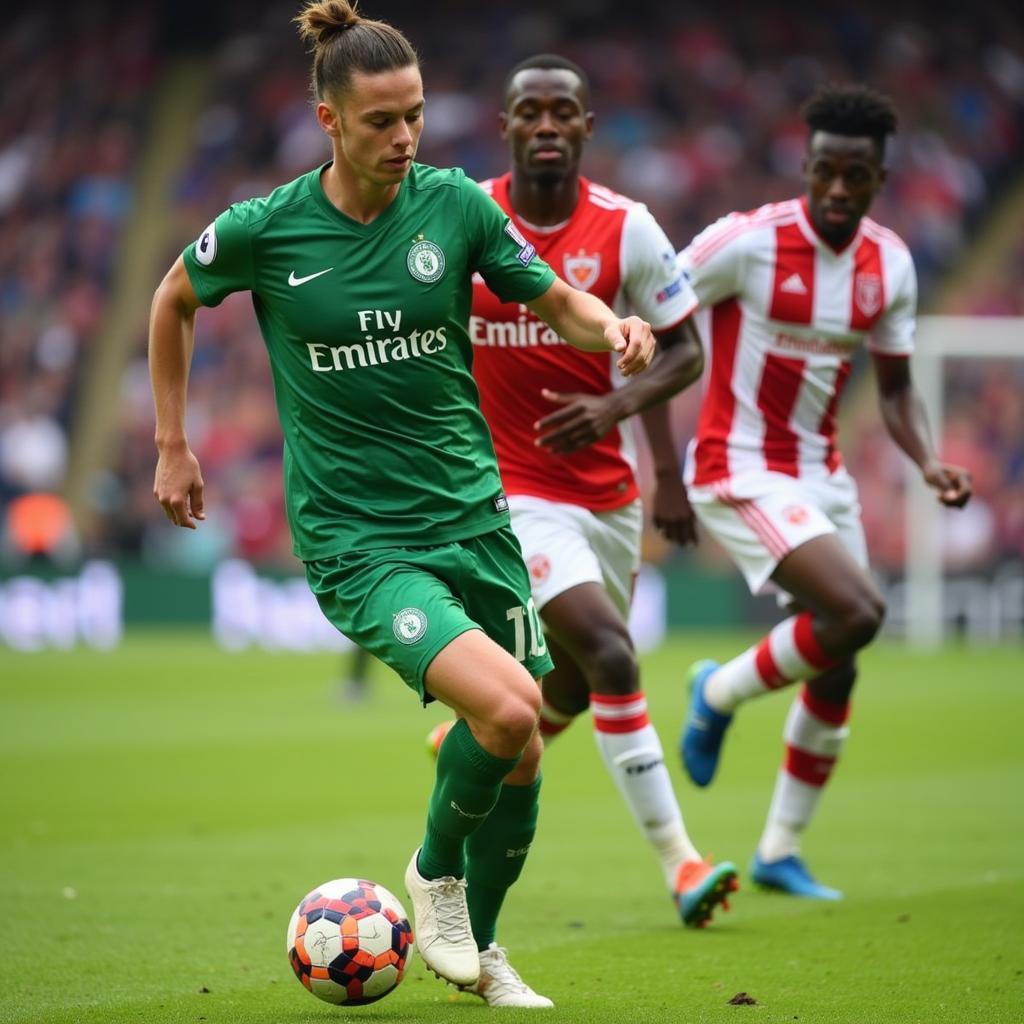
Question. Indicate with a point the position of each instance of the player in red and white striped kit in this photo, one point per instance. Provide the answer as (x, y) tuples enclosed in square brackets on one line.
[(793, 289), (560, 422)]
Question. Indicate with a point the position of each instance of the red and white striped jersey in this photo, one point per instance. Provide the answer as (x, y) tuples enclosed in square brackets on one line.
[(786, 315), (613, 248)]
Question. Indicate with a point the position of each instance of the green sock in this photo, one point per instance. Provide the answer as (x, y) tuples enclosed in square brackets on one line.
[(496, 853), (467, 787)]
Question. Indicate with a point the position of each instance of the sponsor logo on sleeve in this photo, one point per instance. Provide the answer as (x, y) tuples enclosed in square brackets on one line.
[(206, 245), (501, 503), (526, 250), (671, 290)]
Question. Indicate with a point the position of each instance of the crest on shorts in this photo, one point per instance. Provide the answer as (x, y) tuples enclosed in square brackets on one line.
[(425, 261), (539, 567), (867, 293), (582, 270), (796, 514), (409, 625)]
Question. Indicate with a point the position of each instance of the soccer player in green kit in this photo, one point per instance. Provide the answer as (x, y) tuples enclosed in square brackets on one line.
[(360, 273)]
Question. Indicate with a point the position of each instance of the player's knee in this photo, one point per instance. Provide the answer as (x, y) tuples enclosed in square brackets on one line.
[(862, 620), (529, 765), (515, 719), (610, 663), (566, 696)]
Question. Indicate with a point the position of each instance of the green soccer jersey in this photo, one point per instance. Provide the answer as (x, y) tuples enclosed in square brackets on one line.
[(365, 324)]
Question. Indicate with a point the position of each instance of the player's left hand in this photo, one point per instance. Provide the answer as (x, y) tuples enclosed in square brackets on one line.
[(952, 482), (673, 515), (581, 420), (633, 339)]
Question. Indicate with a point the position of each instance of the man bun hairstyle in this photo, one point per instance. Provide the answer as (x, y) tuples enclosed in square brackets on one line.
[(551, 62), (343, 42), (848, 109)]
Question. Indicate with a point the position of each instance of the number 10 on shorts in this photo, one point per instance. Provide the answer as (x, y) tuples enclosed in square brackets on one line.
[(520, 617)]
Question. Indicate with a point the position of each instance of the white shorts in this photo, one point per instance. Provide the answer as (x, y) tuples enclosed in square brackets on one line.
[(759, 518), (566, 545)]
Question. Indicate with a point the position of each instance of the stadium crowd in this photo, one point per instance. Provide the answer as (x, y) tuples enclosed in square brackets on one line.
[(74, 105), (706, 122)]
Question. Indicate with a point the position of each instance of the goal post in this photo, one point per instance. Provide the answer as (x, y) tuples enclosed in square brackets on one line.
[(940, 338)]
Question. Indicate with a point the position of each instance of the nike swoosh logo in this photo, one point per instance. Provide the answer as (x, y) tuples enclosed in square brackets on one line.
[(296, 281)]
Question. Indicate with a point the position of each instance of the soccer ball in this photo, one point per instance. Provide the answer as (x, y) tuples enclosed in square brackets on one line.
[(349, 941)]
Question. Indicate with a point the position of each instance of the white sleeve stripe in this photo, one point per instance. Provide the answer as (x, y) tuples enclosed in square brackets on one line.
[(879, 233), (605, 204), (679, 319), (703, 252), (609, 194)]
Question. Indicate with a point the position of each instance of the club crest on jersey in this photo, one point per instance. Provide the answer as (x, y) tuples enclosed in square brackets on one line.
[(409, 625), (425, 261), (206, 245), (867, 293), (582, 270)]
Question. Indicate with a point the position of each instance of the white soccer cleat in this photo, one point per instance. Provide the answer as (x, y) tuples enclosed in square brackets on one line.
[(500, 984), (444, 935)]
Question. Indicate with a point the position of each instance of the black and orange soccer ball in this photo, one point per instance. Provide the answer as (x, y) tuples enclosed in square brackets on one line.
[(350, 941)]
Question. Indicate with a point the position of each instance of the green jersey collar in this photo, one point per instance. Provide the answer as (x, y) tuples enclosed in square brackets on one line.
[(316, 189)]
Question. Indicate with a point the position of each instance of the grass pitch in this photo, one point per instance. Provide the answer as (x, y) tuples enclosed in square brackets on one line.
[(163, 808)]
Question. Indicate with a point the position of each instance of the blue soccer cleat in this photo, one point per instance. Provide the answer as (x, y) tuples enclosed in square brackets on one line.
[(702, 886), (790, 875), (701, 742)]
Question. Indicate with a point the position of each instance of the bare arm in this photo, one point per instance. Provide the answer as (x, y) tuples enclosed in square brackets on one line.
[(178, 484), (587, 323), (683, 356), (583, 419), (907, 423)]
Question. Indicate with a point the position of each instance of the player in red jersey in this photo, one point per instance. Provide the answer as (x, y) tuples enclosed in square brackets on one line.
[(794, 288), (562, 435)]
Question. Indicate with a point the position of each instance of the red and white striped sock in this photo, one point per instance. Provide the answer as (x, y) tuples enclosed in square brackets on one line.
[(552, 722), (815, 733), (633, 754), (789, 652)]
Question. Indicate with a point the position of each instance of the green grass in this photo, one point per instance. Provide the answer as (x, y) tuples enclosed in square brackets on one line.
[(162, 810)]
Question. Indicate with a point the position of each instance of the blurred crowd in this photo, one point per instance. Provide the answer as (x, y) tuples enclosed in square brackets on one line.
[(74, 105), (697, 114)]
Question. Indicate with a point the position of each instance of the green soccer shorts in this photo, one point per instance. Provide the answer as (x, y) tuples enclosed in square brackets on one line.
[(404, 605)]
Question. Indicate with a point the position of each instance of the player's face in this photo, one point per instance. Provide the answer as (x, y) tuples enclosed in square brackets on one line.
[(843, 175), (376, 124), (546, 122)]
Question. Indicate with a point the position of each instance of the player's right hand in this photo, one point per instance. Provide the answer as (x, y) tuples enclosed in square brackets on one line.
[(633, 339), (953, 483), (672, 513), (178, 486)]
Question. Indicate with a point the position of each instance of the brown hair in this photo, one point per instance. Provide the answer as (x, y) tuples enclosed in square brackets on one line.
[(343, 42)]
